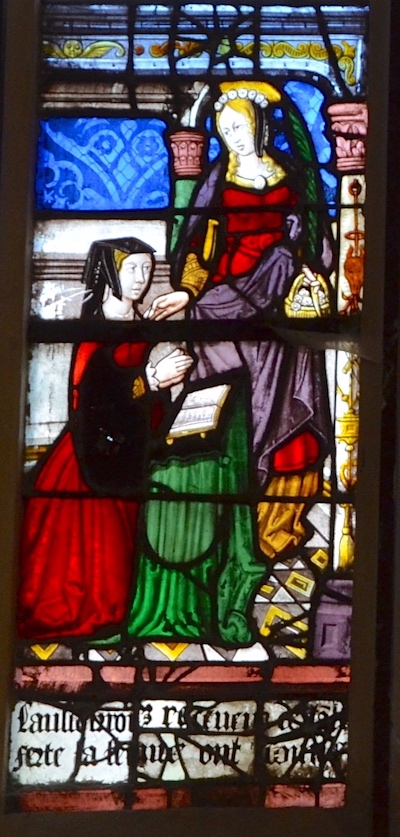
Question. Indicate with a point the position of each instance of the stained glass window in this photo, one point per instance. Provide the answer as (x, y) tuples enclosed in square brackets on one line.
[(191, 441)]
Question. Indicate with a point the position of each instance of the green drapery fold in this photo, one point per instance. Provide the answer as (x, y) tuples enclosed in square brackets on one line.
[(198, 571)]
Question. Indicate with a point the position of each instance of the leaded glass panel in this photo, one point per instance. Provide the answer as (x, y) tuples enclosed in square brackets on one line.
[(191, 437)]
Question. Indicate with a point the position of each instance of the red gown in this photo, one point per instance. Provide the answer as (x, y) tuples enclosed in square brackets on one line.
[(254, 228), (255, 225), (76, 551)]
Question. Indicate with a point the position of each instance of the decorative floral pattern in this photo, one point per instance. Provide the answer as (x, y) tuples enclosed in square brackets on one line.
[(315, 51), (99, 164), (75, 49)]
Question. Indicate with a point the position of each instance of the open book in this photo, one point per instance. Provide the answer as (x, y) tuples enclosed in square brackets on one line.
[(200, 412)]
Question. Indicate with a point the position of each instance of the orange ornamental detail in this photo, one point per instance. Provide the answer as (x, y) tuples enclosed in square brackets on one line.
[(345, 52)]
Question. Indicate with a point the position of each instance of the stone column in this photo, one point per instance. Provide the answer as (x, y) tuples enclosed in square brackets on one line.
[(187, 156), (349, 122)]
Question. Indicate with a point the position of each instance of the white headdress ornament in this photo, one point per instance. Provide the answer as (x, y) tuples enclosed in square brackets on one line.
[(258, 98)]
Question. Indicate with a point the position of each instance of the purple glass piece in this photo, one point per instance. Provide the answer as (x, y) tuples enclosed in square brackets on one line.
[(333, 621)]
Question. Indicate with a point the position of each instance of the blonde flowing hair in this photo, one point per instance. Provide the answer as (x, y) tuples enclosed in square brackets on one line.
[(244, 107)]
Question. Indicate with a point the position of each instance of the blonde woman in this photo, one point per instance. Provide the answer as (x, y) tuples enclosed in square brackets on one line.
[(239, 261)]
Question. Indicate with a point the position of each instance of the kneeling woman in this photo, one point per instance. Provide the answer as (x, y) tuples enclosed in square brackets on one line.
[(79, 528)]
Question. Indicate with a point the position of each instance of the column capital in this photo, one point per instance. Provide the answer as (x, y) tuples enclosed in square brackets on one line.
[(187, 150), (349, 123)]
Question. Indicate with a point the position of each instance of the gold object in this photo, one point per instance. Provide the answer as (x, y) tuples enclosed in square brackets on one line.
[(210, 239), (348, 435), (194, 277), (346, 545), (348, 423), (326, 488), (138, 388), (307, 305)]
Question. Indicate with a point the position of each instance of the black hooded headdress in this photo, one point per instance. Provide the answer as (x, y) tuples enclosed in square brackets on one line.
[(100, 270)]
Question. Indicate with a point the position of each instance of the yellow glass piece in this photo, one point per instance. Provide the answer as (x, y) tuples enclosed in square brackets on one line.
[(138, 388), (348, 424), (44, 652), (275, 612), (194, 276), (210, 239), (345, 54), (33, 452), (348, 427), (294, 649), (298, 627), (280, 525), (346, 545), (299, 652), (321, 559), (302, 627), (315, 301), (300, 584), (267, 589), (172, 650), (74, 49)]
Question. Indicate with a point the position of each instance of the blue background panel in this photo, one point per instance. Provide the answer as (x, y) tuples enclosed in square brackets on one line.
[(102, 164)]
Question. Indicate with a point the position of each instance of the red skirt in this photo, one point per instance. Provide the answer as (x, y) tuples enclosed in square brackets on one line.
[(76, 554)]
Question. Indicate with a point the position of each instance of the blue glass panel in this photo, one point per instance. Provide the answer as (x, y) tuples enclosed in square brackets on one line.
[(214, 149), (102, 164), (310, 100), (281, 142), (330, 187)]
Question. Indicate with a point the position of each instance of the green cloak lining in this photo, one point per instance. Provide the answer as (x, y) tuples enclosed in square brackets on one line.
[(197, 572)]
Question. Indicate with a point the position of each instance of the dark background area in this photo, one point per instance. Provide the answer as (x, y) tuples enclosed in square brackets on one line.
[(387, 515)]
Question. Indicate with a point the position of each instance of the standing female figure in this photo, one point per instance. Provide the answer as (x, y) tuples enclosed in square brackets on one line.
[(239, 262)]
